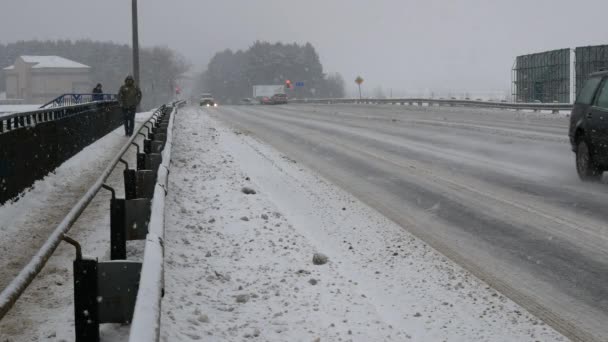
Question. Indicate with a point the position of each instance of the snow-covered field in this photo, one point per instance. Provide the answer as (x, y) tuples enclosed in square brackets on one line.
[(239, 266)]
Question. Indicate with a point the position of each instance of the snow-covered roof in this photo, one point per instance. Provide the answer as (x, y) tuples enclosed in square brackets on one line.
[(41, 62)]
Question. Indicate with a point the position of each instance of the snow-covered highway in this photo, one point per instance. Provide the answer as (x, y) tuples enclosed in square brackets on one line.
[(494, 190), (372, 187)]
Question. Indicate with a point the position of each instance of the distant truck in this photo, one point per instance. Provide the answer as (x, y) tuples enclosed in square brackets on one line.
[(267, 91)]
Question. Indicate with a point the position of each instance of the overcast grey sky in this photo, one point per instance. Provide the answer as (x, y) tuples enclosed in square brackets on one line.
[(399, 44)]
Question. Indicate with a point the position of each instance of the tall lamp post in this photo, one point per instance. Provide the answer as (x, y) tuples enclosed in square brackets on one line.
[(135, 42)]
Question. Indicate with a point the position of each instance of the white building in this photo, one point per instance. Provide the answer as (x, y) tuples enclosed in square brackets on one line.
[(39, 79)]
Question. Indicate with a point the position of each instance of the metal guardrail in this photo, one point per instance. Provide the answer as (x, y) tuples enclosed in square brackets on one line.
[(13, 121), (85, 328), (554, 107), (74, 99), (145, 325)]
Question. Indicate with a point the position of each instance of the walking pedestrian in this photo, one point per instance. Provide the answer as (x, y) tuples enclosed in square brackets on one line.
[(98, 93), (129, 97)]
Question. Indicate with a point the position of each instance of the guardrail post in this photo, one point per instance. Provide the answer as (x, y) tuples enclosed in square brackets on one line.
[(147, 145), (104, 292), (153, 161), (141, 161), (86, 319), (118, 239), (117, 286), (158, 142), (144, 183), (161, 128), (128, 221), (130, 184)]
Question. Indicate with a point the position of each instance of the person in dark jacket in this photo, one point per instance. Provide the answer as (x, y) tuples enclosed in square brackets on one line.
[(129, 97), (97, 93)]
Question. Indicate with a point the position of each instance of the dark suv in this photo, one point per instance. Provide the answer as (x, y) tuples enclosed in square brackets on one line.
[(589, 127)]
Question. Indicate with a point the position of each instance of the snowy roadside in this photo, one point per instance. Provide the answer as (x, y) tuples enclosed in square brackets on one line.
[(45, 312), (240, 266)]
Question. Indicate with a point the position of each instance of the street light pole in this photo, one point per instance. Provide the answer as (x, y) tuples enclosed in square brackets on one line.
[(135, 42)]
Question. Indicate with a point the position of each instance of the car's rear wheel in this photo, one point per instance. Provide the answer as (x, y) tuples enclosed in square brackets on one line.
[(586, 166)]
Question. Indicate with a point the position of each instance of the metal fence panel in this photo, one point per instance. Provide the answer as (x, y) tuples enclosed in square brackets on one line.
[(589, 59), (29, 153), (543, 77)]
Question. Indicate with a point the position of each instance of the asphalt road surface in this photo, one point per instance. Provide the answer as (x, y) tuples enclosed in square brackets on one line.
[(494, 190)]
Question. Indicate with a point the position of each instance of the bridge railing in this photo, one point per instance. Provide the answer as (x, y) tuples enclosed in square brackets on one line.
[(12, 121), (74, 99), (33, 144), (554, 107)]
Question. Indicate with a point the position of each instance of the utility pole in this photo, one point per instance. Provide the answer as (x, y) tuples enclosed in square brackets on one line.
[(135, 43)]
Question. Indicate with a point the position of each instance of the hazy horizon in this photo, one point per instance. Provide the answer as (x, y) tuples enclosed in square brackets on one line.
[(401, 45)]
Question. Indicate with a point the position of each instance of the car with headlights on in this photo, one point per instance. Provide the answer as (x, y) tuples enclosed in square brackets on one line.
[(207, 100)]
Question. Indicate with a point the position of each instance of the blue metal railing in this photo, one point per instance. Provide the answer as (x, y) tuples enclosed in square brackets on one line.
[(74, 99)]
